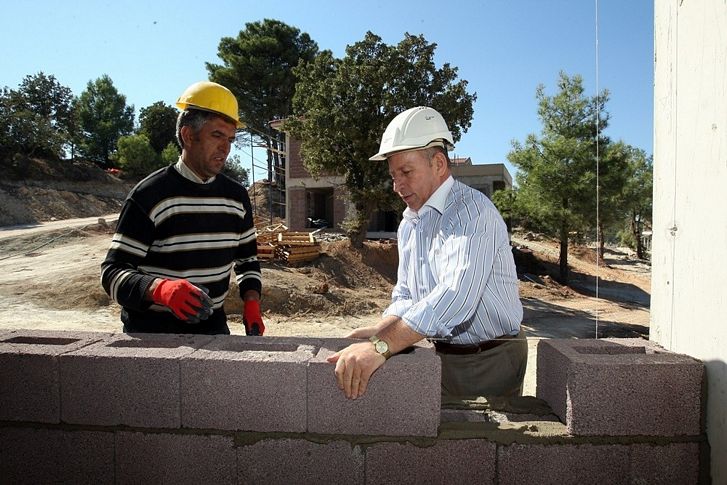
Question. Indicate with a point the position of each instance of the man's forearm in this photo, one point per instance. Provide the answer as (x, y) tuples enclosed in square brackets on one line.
[(397, 334)]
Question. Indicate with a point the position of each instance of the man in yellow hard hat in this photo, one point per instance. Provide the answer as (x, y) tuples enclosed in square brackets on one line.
[(184, 228), (456, 284)]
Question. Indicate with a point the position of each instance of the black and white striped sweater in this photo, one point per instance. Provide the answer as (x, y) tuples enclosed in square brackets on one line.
[(171, 227)]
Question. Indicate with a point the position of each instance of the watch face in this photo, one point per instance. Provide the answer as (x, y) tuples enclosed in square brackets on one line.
[(381, 347)]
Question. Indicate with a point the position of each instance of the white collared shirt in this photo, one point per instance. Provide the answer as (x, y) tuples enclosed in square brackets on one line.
[(187, 173), (456, 277)]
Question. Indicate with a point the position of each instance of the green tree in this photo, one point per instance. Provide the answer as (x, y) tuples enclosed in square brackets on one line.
[(258, 68), (103, 118), (342, 107), (233, 169), (170, 154), (638, 196), (135, 156), (614, 173), (36, 118), (159, 123), (556, 171)]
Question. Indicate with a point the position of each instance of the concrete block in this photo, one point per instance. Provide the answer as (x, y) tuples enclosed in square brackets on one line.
[(35, 456), (448, 461), (247, 383), (562, 464), (620, 387), (130, 379), (175, 458), (403, 397), (666, 464), (285, 461), (29, 372)]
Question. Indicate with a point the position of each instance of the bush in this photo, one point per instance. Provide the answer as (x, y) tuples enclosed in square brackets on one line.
[(135, 156)]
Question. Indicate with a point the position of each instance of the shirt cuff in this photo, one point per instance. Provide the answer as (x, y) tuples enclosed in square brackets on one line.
[(422, 319), (398, 308)]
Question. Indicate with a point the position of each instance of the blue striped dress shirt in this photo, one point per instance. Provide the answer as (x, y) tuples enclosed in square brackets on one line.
[(456, 278)]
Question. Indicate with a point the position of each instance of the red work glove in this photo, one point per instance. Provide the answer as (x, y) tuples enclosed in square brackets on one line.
[(187, 302), (252, 319)]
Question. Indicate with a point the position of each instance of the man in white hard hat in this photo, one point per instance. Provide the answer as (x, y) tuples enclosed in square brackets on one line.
[(457, 284), (184, 228)]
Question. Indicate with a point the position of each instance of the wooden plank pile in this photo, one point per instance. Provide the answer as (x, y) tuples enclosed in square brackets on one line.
[(297, 247), (275, 242), (267, 238)]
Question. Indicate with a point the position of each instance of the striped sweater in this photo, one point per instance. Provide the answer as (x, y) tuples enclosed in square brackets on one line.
[(171, 227)]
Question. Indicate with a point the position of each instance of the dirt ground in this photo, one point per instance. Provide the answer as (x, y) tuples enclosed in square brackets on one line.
[(49, 279)]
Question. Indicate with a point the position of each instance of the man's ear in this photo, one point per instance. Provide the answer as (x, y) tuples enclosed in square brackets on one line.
[(187, 135), (440, 163)]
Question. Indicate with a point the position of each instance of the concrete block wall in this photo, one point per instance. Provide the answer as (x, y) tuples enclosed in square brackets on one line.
[(119, 408), (620, 387)]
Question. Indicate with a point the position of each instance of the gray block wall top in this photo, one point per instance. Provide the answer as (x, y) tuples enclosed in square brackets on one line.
[(128, 379), (43, 342), (261, 349), (618, 387), (403, 397), (30, 372), (247, 383)]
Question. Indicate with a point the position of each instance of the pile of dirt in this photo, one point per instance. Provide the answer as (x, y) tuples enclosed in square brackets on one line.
[(343, 281), (40, 190)]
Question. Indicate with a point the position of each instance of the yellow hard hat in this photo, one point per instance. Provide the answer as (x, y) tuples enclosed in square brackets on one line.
[(209, 96)]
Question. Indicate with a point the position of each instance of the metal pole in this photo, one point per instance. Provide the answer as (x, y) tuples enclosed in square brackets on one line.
[(252, 167)]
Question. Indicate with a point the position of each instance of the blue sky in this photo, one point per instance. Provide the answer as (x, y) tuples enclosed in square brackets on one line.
[(504, 49)]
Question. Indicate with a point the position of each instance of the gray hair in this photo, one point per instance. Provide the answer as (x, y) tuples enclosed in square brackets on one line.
[(433, 150), (195, 119)]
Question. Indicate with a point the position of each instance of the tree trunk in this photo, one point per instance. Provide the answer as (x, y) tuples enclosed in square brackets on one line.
[(358, 224), (636, 233), (563, 253), (601, 244)]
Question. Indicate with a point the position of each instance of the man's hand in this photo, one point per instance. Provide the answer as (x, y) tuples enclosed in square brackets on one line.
[(354, 367), (188, 302), (252, 319)]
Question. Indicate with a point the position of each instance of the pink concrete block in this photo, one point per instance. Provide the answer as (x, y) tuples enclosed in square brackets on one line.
[(666, 464), (562, 464), (448, 461), (285, 461), (403, 397), (130, 380), (35, 456), (619, 387), (247, 383), (29, 375), (175, 458)]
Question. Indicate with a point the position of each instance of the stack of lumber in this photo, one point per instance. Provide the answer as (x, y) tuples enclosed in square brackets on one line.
[(297, 247), (267, 238), (276, 242)]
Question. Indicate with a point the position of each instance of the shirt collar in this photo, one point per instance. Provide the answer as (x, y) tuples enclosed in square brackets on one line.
[(187, 173), (437, 201)]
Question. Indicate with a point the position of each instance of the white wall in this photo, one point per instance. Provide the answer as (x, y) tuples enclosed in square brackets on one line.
[(689, 253)]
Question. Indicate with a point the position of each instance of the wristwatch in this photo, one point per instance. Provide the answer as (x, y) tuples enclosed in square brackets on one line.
[(380, 346)]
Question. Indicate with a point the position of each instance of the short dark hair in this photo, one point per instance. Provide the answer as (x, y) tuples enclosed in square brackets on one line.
[(194, 118)]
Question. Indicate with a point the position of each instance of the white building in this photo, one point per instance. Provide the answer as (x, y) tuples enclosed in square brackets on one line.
[(689, 252)]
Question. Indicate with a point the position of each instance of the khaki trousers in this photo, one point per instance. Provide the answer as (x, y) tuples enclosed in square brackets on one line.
[(496, 372)]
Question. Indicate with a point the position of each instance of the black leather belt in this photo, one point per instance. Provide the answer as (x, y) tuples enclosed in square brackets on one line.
[(446, 348)]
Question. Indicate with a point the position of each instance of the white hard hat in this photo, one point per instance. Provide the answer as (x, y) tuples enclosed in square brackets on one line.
[(413, 129)]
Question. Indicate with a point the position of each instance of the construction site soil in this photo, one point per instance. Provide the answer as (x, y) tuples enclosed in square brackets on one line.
[(49, 273)]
